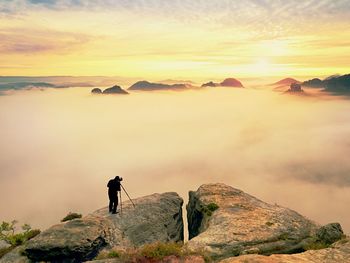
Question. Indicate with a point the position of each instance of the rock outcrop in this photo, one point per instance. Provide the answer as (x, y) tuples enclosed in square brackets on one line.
[(157, 217), (210, 84), (330, 233), (115, 90), (96, 91), (243, 224), (295, 88), (337, 253)]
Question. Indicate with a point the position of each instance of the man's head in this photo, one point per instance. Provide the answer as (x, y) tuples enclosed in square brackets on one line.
[(117, 178)]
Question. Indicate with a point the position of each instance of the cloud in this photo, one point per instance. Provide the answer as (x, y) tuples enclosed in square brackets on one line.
[(289, 150), (27, 41)]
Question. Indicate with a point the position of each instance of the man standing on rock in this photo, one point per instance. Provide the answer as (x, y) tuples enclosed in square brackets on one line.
[(113, 189)]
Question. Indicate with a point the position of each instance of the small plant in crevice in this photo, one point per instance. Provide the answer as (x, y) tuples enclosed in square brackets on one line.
[(153, 252), (9, 235), (71, 216), (209, 209)]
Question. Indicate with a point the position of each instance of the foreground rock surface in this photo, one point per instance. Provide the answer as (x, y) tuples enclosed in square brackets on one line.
[(243, 224), (337, 253), (169, 259), (157, 217)]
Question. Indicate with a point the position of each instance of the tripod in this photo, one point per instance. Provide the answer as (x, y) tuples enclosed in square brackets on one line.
[(120, 193)]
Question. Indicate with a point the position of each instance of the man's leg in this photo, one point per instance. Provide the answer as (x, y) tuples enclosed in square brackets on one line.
[(115, 204), (110, 203)]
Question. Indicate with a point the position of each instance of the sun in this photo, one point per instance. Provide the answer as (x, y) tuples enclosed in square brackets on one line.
[(262, 66)]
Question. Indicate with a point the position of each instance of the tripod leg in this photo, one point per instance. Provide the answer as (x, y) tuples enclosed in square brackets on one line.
[(121, 206), (127, 195)]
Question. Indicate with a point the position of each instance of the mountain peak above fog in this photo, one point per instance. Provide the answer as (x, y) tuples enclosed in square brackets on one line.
[(287, 81), (229, 82), (148, 86)]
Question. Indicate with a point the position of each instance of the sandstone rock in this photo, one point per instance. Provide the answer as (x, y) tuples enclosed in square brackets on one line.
[(115, 90), (15, 256), (170, 259), (96, 91), (243, 224), (4, 244), (330, 233), (157, 217), (337, 253)]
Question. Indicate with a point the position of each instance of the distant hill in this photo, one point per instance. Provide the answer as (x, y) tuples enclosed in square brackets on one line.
[(26, 85), (149, 86), (313, 83), (229, 82), (286, 82), (338, 83), (334, 83), (113, 90)]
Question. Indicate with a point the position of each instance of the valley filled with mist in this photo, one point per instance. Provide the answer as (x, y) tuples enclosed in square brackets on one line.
[(59, 148)]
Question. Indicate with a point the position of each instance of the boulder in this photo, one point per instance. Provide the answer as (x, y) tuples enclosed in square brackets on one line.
[(156, 217), (115, 90), (96, 91), (337, 253), (228, 222), (4, 244), (330, 233), (15, 255)]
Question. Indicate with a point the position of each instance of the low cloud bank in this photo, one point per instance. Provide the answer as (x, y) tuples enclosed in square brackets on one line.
[(60, 147)]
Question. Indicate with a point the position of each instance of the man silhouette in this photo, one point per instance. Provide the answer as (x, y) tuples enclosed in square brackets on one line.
[(113, 189)]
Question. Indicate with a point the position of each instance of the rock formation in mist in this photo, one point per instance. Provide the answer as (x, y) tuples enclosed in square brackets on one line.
[(231, 82), (286, 82), (313, 83), (295, 88), (224, 222), (115, 90), (96, 91), (210, 84), (338, 83), (149, 86), (335, 83)]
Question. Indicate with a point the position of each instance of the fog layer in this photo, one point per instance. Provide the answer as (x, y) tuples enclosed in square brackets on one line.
[(60, 147)]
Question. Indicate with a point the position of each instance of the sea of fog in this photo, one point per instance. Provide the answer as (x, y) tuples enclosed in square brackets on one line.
[(59, 147)]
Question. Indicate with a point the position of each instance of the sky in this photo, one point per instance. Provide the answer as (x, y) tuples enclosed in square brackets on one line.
[(158, 39)]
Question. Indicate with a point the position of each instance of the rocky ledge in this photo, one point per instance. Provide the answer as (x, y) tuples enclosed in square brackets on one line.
[(336, 253), (227, 222), (156, 217), (224, 223)]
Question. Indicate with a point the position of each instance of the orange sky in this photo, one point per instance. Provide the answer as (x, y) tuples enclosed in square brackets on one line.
[(174, 39)]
